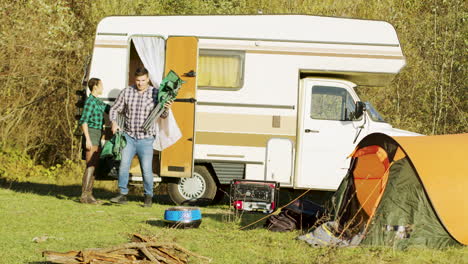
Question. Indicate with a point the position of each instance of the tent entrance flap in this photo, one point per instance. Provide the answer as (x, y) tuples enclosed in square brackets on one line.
[(181, 57), (370, 176)]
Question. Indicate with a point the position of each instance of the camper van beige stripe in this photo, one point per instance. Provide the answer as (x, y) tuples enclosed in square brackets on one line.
[(245, 105), (325, 54), (243, 123), (111, 44), (377, 54), (225, 156), (237, 139)]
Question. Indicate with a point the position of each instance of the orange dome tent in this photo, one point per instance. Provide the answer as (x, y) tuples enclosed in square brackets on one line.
[(406, 191)]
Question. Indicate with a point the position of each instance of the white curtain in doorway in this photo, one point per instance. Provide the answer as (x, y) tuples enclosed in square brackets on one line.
[(151, 51)]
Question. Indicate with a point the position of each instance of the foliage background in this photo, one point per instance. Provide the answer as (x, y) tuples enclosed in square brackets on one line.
[(44, 44)]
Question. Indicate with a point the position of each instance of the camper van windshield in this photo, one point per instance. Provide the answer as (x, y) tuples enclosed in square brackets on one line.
[(374, 115)]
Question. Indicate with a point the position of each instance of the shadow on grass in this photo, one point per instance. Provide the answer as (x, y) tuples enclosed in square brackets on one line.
[(162, 199), (65, 192), (158, 223), (242, 219), (173, 225), (220, 217), (249, 218)]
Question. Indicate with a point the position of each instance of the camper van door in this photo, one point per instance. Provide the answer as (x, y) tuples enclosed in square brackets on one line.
[(326, 133), (182, 57)]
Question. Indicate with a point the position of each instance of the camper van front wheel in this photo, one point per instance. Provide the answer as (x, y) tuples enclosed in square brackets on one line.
[(197, 190)]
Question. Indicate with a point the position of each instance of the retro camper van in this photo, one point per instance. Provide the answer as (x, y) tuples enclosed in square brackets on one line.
[(267, 97)]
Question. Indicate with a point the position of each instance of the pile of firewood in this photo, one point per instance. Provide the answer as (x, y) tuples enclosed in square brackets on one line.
[(141, 250)]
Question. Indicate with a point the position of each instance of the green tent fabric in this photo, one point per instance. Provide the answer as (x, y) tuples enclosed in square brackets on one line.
[(401, 213), (405, 203), (113, 147)]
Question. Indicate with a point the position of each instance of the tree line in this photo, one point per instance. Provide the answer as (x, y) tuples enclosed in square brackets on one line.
[(44, 45)]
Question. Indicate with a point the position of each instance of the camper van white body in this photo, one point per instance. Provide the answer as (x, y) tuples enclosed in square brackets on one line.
[(264, 130)]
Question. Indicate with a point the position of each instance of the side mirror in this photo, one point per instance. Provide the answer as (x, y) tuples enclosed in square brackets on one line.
[(359, 109)]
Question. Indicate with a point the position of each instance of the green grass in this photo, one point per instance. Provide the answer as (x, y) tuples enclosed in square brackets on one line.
[(29, 210)]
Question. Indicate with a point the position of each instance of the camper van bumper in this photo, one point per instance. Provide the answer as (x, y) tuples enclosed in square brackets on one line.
[(139, 178)]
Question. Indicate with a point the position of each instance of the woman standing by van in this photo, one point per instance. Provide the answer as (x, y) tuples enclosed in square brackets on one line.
[(91, 122)]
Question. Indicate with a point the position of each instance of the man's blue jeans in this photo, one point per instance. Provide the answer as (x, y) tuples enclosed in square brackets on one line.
[(144, 149)]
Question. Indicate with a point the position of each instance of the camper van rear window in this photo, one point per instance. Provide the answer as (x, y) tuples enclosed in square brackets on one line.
[(221, 69)]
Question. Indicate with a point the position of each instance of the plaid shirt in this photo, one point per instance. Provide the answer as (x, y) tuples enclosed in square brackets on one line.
[(135, 107), (93, 112)]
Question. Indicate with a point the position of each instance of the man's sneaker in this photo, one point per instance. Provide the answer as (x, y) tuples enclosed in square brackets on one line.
[(148, 201), (120, 199)]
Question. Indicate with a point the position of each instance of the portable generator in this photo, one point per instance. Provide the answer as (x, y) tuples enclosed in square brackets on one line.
[(250, 195)]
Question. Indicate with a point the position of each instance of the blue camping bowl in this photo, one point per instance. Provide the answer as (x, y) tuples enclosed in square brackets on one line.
[(183, 217)]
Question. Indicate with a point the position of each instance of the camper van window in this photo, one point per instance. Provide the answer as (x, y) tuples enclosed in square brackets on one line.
[(331, 103), (220, 69), (374, 115)]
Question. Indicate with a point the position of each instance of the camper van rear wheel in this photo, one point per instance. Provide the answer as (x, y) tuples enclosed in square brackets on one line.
[(200, 189)]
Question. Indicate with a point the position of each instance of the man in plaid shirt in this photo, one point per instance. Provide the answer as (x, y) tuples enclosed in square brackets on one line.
[(135, 104)]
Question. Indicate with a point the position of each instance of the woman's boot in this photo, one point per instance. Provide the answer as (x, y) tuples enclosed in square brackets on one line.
[(87, 187)]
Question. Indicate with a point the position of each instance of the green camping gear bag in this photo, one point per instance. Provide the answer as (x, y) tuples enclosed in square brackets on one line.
[(168, 90), (113, 147)]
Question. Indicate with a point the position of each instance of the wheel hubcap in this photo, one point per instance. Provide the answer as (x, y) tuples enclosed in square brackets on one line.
[(192, 188)]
